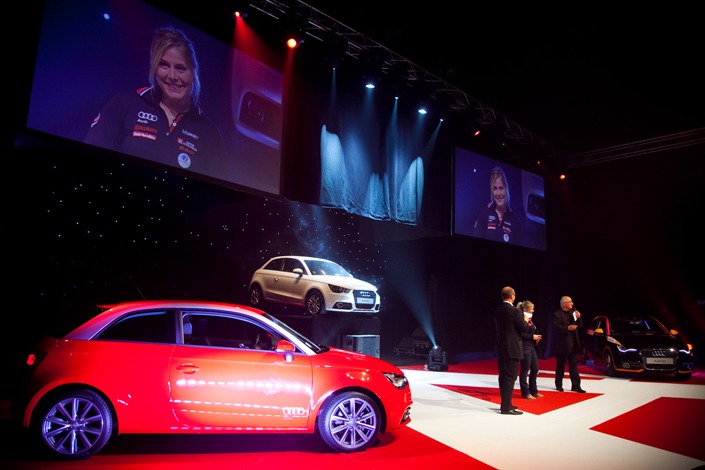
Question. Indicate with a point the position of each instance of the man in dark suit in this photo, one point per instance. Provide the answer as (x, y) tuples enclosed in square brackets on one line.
[(566, 322), (509, 323)]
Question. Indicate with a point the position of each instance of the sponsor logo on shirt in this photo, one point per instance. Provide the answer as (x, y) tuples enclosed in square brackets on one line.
[(189, 134), (144, 132), (145, 118), (184, 160), (187, 145)]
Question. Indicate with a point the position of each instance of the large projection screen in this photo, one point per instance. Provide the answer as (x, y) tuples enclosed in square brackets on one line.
[(475, 202), (89, 51)]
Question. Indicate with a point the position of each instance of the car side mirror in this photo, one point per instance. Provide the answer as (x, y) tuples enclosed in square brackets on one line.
[(298, 271), (285, 346), (599, 331)]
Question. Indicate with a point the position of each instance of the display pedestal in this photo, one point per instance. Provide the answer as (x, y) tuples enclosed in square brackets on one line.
[(365, 344)]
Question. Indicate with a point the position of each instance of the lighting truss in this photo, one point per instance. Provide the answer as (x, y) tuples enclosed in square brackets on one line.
[(320, 26), (642, 147)]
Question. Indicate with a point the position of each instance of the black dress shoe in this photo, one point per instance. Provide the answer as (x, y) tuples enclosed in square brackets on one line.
[(578, 390), (512, 412), (560, 389)]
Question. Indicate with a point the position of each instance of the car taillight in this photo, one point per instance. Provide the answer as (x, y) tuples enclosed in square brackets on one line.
[(40, 351)]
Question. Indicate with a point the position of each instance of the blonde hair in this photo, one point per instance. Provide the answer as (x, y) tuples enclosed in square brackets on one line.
[(166, 38), (495, 174)]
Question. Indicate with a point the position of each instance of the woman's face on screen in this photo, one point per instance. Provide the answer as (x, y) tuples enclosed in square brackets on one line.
[(499, 192), (174, 75)]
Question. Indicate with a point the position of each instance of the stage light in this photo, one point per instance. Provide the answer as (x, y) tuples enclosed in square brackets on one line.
[(423, 110), (293, 42), (437, 359)]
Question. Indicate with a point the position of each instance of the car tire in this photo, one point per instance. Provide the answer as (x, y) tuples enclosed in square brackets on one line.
[(315, 303), (349, 422), (73, 425), (256, 296), (609, 364)]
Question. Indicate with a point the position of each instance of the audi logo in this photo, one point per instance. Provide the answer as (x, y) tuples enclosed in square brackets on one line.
[(659, 353), (294, 411), (147, 116)]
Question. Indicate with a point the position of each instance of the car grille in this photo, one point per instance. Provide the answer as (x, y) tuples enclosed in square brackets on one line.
[(659, 359), (364, 299)]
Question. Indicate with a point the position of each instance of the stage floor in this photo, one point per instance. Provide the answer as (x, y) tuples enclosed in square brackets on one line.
[(456, 424)]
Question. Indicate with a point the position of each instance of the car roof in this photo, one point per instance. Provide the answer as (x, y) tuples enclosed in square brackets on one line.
[(115, 310), (301, 257)]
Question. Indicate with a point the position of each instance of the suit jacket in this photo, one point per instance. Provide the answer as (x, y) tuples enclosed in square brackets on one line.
[(566, 341), (509, 323)]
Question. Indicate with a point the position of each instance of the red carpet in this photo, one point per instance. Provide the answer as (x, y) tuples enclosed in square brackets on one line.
[(551, 401), (405, 448), (680, 425)]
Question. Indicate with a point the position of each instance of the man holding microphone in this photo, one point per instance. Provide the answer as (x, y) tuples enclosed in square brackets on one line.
[(566, 322)]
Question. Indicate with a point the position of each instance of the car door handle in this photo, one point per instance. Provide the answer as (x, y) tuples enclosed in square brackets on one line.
[(188, 368)]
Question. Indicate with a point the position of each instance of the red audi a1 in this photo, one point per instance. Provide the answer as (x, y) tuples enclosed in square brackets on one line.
[(180, 367)]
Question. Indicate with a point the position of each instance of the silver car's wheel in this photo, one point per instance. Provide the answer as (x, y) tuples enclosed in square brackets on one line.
[(315, 303), (74, 425), (349, 422), (256, 296)]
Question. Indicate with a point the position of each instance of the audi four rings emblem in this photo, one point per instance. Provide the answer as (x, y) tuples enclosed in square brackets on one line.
[(659, 353), (147, 116), (294, 411)]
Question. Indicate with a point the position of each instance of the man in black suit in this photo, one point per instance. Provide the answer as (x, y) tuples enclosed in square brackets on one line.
[(566, 322), (509, 323)]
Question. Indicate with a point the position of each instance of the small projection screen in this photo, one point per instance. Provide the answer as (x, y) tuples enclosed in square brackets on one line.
[(479, 199)]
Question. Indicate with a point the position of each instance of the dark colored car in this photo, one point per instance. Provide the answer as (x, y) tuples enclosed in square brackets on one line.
[(191, 367), (638, 346)]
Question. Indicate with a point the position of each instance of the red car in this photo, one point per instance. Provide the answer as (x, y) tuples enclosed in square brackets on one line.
[(179, 367)]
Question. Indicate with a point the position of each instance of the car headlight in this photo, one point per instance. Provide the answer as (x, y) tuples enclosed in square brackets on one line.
[(338, 289), (398, 380)]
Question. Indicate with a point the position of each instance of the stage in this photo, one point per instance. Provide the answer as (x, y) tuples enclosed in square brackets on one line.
[(645, 424)]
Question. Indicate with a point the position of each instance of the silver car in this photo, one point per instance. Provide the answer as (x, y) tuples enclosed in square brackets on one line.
[(319, 285)]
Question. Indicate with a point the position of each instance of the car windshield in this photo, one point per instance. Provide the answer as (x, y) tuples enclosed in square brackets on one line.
[(326, 268), (314, 347), (635, 326)]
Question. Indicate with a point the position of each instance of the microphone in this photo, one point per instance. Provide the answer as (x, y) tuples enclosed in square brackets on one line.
[(572, 314)]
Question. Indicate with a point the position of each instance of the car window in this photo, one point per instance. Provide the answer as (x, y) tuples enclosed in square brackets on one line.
[(275, 265), (595, 324), (634, 326), (227, 331), (148, 327), (291, 263), (326, 268)]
